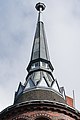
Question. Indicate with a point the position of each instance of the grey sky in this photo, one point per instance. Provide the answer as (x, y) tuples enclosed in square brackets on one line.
[(17, 27)]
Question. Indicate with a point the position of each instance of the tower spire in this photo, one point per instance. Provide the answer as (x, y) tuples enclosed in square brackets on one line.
[(40, 50)]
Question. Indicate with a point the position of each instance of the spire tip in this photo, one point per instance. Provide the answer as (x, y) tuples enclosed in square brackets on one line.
[(40, 6)]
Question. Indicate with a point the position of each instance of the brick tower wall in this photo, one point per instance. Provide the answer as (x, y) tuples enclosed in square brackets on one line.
[(42, 115), (40, 111)]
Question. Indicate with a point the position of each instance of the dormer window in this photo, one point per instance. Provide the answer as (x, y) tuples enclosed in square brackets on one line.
[(33, 66), (37, 64), (45, 65)]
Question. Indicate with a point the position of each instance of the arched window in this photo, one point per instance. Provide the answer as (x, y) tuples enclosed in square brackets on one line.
[(42, 118), (19, 119)]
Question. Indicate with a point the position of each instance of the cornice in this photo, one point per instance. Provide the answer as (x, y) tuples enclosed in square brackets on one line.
[(40, 105)]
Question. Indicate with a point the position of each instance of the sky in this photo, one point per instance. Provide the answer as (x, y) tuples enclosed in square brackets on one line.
[(17, 28)]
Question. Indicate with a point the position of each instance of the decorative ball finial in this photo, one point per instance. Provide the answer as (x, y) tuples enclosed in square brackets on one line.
[(40, 6)]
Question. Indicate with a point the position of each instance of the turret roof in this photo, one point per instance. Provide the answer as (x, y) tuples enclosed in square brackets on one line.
[(40, 83)]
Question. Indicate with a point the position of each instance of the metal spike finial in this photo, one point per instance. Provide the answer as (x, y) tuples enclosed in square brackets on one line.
[(40, 6)]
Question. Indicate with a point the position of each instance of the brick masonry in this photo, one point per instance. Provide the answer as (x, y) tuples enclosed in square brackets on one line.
[(40, 111), (49, 115)]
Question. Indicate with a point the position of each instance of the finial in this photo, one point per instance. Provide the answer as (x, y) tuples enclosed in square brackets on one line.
[(40, 6)]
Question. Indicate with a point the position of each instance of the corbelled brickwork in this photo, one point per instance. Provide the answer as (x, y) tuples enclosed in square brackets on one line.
[(49, 115), (40, 111)]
